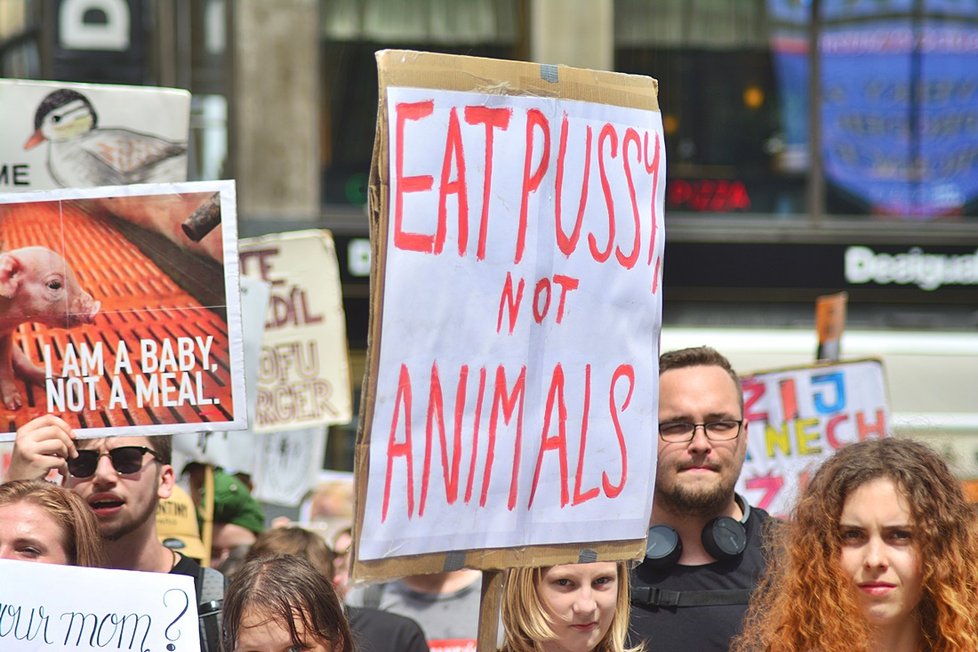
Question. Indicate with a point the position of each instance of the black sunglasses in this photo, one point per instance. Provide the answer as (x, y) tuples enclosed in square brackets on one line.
[(125, 460)]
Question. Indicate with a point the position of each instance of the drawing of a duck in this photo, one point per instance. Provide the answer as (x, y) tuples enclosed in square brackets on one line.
[(81, 154)]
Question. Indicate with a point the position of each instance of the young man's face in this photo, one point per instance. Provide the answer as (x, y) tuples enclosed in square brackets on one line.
[(122, 502), (698, 476)]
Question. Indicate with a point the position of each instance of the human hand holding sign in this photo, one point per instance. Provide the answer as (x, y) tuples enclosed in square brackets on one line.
[(42, 444)]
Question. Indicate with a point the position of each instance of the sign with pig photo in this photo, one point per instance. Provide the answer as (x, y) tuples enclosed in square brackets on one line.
[(119, 309), (516, 306)]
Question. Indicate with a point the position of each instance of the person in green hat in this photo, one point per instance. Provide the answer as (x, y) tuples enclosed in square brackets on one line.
[(238, 517)]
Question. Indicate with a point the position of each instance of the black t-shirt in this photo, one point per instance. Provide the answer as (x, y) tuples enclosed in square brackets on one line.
[(187, 566), (210, 622), (381, 631), (699, 628)]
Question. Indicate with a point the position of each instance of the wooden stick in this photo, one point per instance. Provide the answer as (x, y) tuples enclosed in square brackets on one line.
[(492, 594)]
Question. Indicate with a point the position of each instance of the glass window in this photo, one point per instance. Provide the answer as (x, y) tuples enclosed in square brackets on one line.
[(898, 104), (354, 29)]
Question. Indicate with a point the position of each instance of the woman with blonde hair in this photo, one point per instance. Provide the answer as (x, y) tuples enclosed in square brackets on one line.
[(567, 608), (881, 555), (43, 522)]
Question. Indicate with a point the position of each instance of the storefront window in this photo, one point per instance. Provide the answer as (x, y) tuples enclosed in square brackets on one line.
[(353, 30), (897, 105)]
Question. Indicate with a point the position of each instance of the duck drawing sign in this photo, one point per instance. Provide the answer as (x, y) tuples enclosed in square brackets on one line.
[(65, 135)]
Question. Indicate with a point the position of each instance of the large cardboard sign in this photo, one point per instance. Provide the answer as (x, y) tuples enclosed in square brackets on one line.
[(119, 309), (512, 377), (799, 416), (303, 374), (64, 135), (70, 608)]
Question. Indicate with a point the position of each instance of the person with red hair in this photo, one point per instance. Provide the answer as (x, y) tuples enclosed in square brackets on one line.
[(881, 555)]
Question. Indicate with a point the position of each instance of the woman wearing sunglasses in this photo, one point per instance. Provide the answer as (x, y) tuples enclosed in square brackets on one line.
[(44, 523)]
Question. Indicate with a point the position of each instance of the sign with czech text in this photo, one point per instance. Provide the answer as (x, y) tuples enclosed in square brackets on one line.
[(303, 374), (516, 306), (798, 417)]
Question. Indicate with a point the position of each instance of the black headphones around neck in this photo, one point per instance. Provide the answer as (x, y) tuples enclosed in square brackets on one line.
[(723, 537)]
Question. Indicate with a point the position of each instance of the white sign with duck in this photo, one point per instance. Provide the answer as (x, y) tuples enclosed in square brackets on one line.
[(66, 135)]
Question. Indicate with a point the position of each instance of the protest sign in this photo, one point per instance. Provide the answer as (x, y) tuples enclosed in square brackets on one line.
[(509, 407), (303, 374), (70, 608), (799, 416), (234, 451), (119, 309), (288, 464), (67, 135)]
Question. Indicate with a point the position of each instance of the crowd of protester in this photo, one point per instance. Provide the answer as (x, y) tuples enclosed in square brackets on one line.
[(879, 554)]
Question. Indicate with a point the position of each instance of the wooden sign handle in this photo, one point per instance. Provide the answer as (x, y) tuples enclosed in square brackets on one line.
[(492, 594)]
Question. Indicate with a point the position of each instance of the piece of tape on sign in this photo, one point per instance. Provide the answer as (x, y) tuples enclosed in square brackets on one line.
[(587, 556), (454, 560), (548, 72)]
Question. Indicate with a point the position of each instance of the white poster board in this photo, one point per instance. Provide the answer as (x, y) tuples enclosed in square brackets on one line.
[(70, 135), (287, 464), (49, 607), (144, 336), (233, 451), (303, 374), (798, 417), (517, 381)]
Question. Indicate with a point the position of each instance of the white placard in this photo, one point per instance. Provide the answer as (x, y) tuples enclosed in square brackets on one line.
[(303, 377), (70, 135), (288, 464), (799, 417), (517, 379), (146, 337), (69, 608), (233, 451)]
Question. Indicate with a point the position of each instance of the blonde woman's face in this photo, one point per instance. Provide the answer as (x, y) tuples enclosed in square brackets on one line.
[(580, 600), (881, 554)]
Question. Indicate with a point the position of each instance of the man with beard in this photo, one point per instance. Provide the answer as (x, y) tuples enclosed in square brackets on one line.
[(704, 551), (122, 479)]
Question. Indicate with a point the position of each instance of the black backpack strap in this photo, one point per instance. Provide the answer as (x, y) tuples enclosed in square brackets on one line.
[(650, 596), (210, 601)]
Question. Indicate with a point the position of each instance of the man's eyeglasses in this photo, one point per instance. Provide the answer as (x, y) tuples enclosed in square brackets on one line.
[(679, 432), (125, 460)]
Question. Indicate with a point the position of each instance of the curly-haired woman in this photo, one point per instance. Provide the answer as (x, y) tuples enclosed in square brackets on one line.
[(881, 555)]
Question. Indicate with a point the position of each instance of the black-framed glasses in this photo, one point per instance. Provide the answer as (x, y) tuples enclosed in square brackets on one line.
[(680, 432), (125, 460)]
